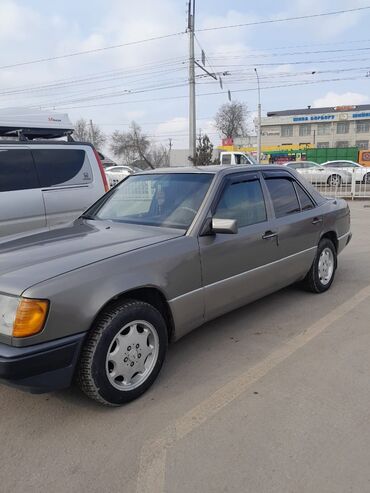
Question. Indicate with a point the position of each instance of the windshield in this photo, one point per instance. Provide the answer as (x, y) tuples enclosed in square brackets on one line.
[(164, 199)]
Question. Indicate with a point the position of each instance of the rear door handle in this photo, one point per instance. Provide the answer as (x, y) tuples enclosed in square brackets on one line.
[(269, 234), (317, 220)]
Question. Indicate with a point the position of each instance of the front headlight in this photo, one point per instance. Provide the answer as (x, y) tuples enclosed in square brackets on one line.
[(22, 317), (8, 311)]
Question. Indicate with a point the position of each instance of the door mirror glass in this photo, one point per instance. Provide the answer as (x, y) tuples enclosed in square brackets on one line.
[(224, 226)]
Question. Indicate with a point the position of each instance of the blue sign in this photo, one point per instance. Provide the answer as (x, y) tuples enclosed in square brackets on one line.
[(361, 115), (313, 118)]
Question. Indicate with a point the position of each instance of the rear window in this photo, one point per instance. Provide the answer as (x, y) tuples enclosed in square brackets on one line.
[(304, 199), (62, 166), (283, 196), (17, 171)]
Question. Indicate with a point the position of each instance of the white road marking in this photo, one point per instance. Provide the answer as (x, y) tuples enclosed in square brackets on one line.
[(152, 468)]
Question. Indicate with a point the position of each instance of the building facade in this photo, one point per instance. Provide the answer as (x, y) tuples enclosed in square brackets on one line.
[(340, 126)]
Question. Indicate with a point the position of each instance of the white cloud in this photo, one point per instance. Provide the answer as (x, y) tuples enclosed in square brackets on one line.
[(334, 99)]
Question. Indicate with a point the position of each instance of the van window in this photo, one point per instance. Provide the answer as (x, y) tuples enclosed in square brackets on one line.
[(17, 171), (244, 202), (283, 196), (61, 166), (226, 159)]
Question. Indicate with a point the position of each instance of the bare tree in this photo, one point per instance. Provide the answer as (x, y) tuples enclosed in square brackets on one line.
[(89, 132), (231, 119), (134, 145)]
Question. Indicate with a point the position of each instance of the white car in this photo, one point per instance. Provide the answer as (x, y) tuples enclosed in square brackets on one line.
[(362, 173), (323, 175), (115, 174)]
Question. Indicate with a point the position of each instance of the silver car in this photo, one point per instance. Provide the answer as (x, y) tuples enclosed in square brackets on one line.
[(115, 174), (361, 173), (318, 174), (162, 253), (46, 184)]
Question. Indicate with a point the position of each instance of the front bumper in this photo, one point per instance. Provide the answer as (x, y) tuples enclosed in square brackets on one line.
[(42, 367)]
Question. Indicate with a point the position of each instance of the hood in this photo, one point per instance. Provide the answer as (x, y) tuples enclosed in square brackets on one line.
[(28, 260)]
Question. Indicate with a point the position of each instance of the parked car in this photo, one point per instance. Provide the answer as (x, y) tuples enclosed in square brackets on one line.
[(362, 173), (157, 256), (46, 183), (115, 174), (106, 161), (322, 175)]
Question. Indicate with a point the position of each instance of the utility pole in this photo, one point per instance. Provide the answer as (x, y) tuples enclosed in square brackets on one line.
[(92, 133), (169, 151), (192, 114), (259, 120)]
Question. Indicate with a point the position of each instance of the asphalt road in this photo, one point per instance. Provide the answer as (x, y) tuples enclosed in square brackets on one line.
[(274, 397)]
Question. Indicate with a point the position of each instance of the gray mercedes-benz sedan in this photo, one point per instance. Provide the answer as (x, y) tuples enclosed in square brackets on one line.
[(160, 254)]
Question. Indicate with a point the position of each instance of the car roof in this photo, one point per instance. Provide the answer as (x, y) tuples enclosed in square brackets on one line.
[(214, 169), (340, 161), (43, 142)]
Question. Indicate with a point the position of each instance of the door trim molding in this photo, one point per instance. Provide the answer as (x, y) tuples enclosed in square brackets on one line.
[(243, 273)]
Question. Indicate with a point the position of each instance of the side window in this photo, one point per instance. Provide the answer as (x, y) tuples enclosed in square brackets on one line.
[(17, 170), (244, 202), (62, 166), (226, 159), (283, 196), (304, 199)]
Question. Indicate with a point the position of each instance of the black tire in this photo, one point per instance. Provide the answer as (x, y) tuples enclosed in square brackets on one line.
[(366, 179), (92, 376), (312, 280), (334, 180)]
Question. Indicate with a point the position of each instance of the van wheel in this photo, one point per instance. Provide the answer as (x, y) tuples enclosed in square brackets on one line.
[(321, 274), (123, 354)]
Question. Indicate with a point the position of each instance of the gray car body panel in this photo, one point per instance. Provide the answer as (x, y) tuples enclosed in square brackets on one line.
[(83, 266)]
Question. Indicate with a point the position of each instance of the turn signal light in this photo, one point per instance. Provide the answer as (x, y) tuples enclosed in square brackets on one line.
[(30, 317)]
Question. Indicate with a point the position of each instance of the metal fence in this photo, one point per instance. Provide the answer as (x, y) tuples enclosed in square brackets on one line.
[(356, 186)]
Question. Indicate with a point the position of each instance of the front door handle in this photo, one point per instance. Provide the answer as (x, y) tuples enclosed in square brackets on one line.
[(269, 234), (317, 220)]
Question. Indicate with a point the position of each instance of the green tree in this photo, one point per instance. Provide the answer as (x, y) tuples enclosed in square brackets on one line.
[(204, 151)]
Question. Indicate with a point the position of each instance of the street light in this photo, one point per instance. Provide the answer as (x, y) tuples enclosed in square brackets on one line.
[(259, 119)]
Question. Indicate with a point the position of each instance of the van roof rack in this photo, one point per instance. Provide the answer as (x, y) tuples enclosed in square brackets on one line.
[(27, 124)]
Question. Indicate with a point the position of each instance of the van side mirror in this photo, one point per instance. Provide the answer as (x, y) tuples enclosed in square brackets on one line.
[(224, 226)]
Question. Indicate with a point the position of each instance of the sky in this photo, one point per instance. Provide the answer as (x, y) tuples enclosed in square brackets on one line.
[(322, 61)]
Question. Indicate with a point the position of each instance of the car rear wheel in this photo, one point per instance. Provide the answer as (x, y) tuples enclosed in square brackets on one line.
[(334, 181), (321, 274), (123, 354), (366, 179)]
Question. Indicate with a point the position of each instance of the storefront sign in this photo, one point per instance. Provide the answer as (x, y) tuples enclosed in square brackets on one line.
[(313, 118)]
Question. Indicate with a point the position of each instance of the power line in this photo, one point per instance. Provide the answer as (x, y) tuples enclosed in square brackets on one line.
[(95, 50), (271, 21), (171, 98)]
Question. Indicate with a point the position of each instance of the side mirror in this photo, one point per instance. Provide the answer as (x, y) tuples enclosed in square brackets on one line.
[(224, 226)]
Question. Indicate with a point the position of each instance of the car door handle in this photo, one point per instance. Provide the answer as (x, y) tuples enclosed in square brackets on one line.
[(317, 220), (269, 234)]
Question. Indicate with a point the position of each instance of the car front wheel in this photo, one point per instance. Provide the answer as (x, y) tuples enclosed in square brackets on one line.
[(366, 179), (321, 274), (123, 353), (334, 181)]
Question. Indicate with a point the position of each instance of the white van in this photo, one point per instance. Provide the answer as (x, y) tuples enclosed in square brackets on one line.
[(47, 183), (232, 158)]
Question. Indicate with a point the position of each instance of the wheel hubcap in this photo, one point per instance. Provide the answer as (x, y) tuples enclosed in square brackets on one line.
[(326, 266), (132, 355)]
